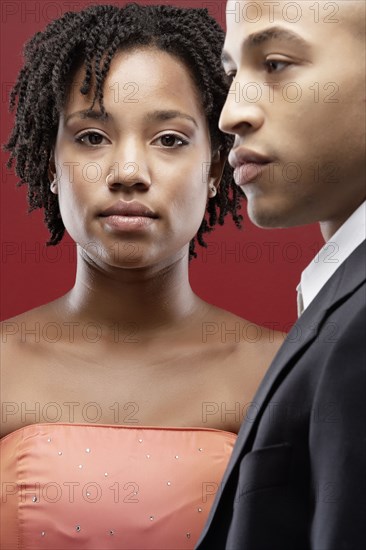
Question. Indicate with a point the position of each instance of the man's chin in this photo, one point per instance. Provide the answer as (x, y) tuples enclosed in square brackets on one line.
[(269, 218)]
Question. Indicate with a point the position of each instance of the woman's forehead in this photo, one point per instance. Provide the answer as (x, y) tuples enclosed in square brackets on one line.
[(137, 78)]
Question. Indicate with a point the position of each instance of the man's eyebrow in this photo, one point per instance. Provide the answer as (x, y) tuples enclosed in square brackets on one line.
[(161, 115), (272, 33), (261, 37)]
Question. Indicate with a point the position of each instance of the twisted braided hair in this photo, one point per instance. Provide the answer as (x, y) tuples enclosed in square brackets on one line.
[(92, 37)]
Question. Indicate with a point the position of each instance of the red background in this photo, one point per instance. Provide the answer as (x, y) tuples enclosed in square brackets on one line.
[(253, 272)]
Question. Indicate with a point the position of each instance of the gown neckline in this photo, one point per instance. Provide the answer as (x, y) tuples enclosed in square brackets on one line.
[(120, 426)]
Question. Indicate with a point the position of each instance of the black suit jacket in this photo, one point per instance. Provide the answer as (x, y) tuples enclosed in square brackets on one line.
[(296, 478)]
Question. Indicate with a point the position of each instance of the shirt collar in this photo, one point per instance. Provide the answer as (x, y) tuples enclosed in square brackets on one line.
[(335, 251)]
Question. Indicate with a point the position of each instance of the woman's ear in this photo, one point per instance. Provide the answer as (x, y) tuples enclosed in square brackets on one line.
[(218, 161), (51, 172)]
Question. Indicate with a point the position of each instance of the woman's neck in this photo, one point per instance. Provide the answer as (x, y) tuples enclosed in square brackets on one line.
[(151, 298)]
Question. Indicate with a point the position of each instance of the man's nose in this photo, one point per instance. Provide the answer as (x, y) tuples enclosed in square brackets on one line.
[(242, 112)]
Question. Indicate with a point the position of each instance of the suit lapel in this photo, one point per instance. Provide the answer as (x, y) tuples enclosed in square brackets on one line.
[(349, 276)]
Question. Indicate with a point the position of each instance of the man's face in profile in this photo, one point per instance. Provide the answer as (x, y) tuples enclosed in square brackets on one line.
[(297, 99)]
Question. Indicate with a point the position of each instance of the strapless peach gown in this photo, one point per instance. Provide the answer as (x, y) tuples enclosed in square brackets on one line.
[(96, 487)]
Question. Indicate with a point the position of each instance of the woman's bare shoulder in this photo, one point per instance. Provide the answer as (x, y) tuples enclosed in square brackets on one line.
[(247, 350), (252, 346), (25, 337), (29, 325), (222, 325)]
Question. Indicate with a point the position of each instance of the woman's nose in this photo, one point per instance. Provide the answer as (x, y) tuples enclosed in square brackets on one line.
[(129, 169)]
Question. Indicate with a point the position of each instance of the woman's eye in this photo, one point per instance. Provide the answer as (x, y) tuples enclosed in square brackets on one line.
[(274, 66), (172, 141), (90, 138)]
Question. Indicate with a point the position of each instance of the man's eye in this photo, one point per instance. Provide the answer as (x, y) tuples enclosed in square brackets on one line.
[(172, 141), (273, 66), (90, 138)]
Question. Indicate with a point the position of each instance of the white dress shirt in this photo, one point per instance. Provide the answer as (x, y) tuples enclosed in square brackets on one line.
[(335, 251)]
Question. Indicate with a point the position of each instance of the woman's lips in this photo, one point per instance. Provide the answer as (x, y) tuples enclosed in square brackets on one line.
[(127, 223), (128, 216)]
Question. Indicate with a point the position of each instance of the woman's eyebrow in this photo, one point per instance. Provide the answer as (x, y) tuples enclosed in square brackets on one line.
[(88, 114), (153, 116), (161, 115)]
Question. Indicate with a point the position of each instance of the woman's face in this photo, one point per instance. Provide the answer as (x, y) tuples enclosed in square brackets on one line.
[(133, 188)]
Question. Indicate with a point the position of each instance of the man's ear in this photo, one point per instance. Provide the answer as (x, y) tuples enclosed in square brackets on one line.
[(218, 161)]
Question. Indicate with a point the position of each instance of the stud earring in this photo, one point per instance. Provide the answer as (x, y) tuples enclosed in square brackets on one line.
[(53, 186), (213, 191)]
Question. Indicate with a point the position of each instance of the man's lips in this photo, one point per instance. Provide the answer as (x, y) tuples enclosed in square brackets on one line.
[(246, 173), (247, 164), (241, 155)]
